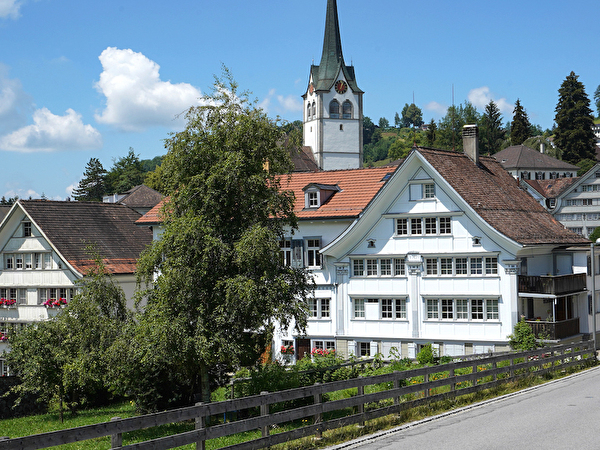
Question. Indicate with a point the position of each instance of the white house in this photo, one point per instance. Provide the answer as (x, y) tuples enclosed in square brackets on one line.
[(43, 255), (526, 163), (446, 249)]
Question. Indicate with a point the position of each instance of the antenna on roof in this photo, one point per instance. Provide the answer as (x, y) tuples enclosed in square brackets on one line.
[(453, 113)]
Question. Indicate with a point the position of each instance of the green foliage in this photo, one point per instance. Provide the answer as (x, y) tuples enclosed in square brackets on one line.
[(597, 99), (412, 116), (92, 187), (384, 123), (520, 128), (585, 165), (67, 359), (522, 337), (406, 140), (427, 355), (219, 270), (431, 133), (368, 130), (449, 132), (574, 121), (595, 235), (492, 133), (126, 172)]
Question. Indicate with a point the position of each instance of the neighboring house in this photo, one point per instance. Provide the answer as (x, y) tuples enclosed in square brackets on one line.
[(528, 164), (446, 249), (43, 255), (139, 198), (573, 202)]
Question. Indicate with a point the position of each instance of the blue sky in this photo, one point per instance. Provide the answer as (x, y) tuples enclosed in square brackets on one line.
[(82, 79)]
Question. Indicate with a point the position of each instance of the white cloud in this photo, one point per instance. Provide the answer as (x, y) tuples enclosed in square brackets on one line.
[(480, 97), (136, 98), (22, 193), (15, 104), (278, 104), (436, 108), (10, 8), (50, 132)]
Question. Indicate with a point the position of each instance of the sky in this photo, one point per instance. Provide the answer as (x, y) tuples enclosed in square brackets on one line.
[(87, 79)]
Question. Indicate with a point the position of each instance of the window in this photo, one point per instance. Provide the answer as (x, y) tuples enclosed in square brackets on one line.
[(477, 309), (334, 109), (19, 261), (47, 261), (308, 115), (431, 266), (28, 260), (491, 309), (476, 266), (324, 345), (387, 308), (286, 251), (447, 310), (399, 266), (446, 266), (540, 175), (324, 307), (433, 311), (359, 308), (371, 267), (358, 267), (36, 261), (401, 227), (9, 261), (416, 226), (26, 229), (313, 199), (429, 191), (22, 296), (314, 110), (364, 349), (491, 266), (386, 267), (400, 308), (313, 311), (461, 266), (314, 257), (462, 309), (347, 110), (430, 225), (445, 225)]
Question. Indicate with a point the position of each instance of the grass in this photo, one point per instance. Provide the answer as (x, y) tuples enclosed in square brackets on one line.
[(50, 422)]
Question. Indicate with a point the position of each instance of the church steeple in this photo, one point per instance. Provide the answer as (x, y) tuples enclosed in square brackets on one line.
[(332, 58)]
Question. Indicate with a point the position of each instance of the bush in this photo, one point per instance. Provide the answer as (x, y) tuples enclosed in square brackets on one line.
[(522, 337), (427, 355)]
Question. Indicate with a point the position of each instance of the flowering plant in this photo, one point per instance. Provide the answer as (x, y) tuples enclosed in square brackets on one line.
[(3, 337), (321, 352), (53, 303), (289, 350), (7, 301)]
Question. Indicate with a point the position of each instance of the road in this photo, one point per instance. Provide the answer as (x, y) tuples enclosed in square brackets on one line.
[(562, 414)]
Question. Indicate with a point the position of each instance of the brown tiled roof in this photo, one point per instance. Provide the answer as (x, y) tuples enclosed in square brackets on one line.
[(552, 188), (153, 217), (520, 156), (495, 195), (141, 197), (303, 160), (357, 189), (71, 226)]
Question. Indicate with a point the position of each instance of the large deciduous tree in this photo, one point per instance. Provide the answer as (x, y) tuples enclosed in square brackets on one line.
[(574, 121), (93, 185), (216, 274), (492, 133), (520, 127), (412, 116), (126, 172)]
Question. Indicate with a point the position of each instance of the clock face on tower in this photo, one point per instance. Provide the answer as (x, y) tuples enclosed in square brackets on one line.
[(341, 87)]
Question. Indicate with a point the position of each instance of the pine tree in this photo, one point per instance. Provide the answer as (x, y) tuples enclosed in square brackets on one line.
[(574, 121), (92, 187), (492, 133), (520, 129)]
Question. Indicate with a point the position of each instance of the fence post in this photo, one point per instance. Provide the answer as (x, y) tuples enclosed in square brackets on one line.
[(495, 366), (116, 440), (318, 399), (232, 389), (361, 406), (451, 375), (200, 423), (512, 370), (475, 372), (425, 381), (396, 386), (264, 411)]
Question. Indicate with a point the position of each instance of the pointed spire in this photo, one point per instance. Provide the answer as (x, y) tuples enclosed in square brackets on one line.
[(332, 57)]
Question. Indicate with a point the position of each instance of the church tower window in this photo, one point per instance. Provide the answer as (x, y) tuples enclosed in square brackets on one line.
[(334, 109), (314, 110), (308, 116), (347, 110)]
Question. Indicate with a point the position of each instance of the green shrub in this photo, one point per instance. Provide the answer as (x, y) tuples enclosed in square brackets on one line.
[(522, 337), (426, 355)]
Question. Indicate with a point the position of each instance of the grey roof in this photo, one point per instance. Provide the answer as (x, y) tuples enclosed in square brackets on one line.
[(332, 59), (523, 157), (141, 196)]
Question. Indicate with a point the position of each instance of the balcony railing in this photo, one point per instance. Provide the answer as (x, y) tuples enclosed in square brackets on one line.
[(552, 285), (554, 330)]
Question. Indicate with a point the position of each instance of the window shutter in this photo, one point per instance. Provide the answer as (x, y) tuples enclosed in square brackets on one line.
[(297, 253), (351, 348), (374, 348)]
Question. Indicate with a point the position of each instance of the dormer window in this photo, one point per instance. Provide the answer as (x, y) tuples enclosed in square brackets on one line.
[(316, 194), (26, 229), (313, 199)]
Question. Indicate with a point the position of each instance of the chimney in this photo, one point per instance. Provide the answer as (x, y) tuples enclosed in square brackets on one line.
[(471, 142), (542, 147)]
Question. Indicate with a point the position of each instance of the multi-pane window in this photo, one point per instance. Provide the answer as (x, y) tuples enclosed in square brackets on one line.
[(359, 308), (19, 260), (416, 226), (385, 266), (313, 199), (53, 294), (22, 296), (476, 266), (401, 227), (312, 308), (430, 225), (325, 312), (461, 266), (429, 191), (399, 266), (334, 109), (358, 267), (446, 266), (387, 308), (491, 266), (286, 251), (371, 267), (347, 110), (319, 308), (9, 261), (462, 309), (47, 261), (431, 266), (400, 308), (314, 257), (324, 345), (364, 349), (26, 229), (445, 225)]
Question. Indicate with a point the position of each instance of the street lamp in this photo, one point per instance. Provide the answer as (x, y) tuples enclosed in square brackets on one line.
[(593, 270)]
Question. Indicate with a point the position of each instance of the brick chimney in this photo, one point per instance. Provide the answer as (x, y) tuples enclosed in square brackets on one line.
[(471, 142)]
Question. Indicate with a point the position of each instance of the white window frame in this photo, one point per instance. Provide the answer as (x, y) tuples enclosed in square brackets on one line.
[(429, 191), (319, 308), (285, 246), (448, 309), (358, 308), (313, 255), (313, 199)]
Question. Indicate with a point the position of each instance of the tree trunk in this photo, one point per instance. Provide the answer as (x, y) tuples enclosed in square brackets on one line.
[(204, 383)]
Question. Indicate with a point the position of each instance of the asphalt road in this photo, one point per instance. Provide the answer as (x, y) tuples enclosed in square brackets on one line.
[(562, 414)]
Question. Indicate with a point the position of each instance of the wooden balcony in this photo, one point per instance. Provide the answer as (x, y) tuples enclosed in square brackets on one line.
[(552, 285), (554, 330)]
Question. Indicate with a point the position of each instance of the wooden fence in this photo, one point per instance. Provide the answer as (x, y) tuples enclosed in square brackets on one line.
[(385, 394)]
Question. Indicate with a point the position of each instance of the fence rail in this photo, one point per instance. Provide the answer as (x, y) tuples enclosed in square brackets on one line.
[(402, 390)]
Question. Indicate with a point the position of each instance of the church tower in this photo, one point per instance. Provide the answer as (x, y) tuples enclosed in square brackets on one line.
[(333, 108)]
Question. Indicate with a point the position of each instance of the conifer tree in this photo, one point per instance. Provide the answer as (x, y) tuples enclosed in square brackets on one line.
[(574, 121), (520, 129), (92, 187), (492, 133)]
